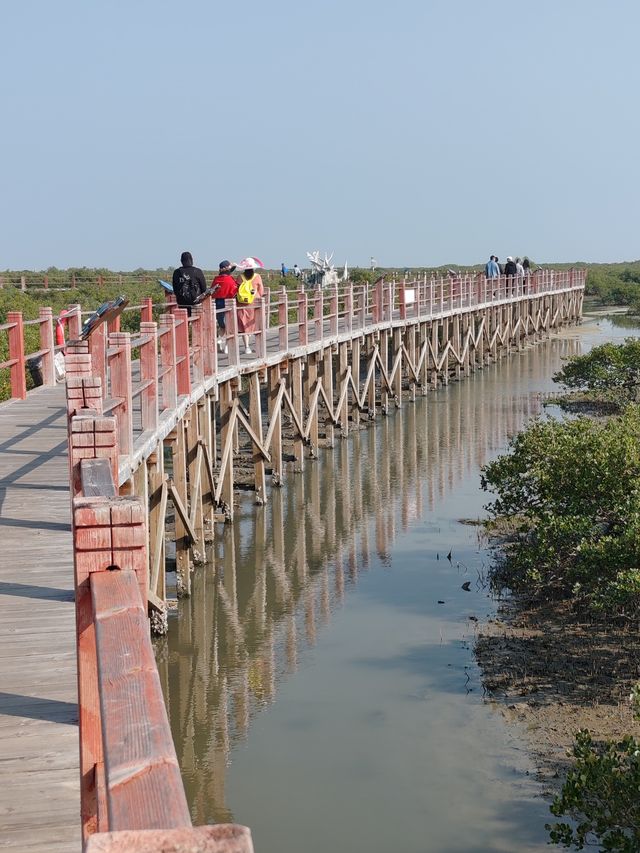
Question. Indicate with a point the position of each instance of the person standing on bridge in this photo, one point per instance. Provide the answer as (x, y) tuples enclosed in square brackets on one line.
[(224, 287), (510, 270), (492, 270), (188, 282), (249, 286)]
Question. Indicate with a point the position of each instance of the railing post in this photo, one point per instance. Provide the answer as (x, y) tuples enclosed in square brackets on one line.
[(402, 294), (233, 342), (283, 320), (168, 361), (261, 327), (97, 343), (16, 353), (318, 315), (47, 344), (146, 313), (302, 318), (210, 337), (149, 373), (334, 310), (348, 307), (183, 372), (197, 343), (74, 320), (122, 388)]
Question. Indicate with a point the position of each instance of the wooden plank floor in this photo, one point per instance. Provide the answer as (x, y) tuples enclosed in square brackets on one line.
[(39, 785)]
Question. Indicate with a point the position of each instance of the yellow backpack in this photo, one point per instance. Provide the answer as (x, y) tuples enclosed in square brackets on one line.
[(246, 294)]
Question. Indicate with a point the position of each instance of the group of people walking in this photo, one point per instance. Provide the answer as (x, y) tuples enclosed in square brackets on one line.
[(190, 288), (494, 269)]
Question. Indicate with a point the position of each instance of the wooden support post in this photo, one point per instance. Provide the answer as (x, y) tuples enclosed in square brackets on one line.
[(456, 341), (397, 353), (16, 355), (275, 423), (356, 345), (342, 388), (466, 343), (196, 475), (226, 439), (327, 384), (255, 413), (297, 399), (206, 415), (410, 337), (436, 352), (311, 383), (122, 389), (384, 357), (371, 390), (183, 562), (157, 520)]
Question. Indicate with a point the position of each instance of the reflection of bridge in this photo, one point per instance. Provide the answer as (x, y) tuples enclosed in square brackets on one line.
[(280, 574), (342, 358)]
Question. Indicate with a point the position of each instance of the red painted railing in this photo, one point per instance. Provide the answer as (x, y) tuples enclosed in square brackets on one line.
[(185, 346)]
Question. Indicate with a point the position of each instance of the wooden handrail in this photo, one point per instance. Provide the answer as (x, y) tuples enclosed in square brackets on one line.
[(132, 794)]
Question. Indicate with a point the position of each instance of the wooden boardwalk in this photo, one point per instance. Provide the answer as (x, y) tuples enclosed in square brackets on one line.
[(150, 398), (40, 801)]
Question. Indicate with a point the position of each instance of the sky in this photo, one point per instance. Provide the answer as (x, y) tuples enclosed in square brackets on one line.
[(419, 132)]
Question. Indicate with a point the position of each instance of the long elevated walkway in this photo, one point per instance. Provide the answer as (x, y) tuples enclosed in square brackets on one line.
[(39, 754), (40, 800)]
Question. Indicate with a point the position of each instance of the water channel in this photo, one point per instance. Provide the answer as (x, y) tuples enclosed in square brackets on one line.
[(321, 682)]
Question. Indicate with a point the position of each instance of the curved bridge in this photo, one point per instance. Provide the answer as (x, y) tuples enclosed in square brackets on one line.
[(155, 419)]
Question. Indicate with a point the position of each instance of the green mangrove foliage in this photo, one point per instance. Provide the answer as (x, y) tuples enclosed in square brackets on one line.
[(609, 370), (600, 795), (615, 284), (571, 491)]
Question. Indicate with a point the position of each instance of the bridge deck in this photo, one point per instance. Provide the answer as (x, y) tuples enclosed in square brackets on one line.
[(40, 805)]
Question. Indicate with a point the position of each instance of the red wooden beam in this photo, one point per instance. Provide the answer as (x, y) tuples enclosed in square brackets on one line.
[(143, 784)]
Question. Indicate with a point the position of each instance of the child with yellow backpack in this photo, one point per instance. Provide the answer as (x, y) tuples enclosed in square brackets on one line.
[(249, 286)]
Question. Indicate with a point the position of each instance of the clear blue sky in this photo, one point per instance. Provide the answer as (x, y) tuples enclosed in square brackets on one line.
[(417, 131)]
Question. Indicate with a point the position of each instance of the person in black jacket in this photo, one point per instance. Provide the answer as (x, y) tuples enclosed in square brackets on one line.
[(510, 270), (188, 282)]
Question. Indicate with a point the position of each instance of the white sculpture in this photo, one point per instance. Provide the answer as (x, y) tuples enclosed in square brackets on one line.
[(324, 274)]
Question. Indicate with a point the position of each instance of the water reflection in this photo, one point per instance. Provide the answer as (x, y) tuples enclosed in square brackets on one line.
[(280, 571)]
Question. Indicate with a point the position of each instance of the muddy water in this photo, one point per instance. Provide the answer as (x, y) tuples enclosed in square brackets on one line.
[(321, 682)]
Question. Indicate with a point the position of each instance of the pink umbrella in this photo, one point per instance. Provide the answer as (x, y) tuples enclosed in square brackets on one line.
[(250, 264)]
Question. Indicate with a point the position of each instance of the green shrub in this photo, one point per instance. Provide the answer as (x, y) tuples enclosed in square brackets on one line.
[(600, 795), (572, 491)]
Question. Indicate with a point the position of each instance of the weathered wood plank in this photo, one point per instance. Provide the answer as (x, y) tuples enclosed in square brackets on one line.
[(143, 778)]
